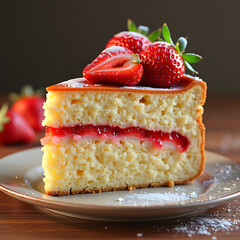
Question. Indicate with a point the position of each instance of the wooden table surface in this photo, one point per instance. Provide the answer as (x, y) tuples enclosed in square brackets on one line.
[(19, 220)]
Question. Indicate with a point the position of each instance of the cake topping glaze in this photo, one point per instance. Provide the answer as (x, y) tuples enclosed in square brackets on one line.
[(79, 84), (82, 82)]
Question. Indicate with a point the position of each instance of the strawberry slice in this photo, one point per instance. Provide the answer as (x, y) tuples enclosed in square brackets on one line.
[(115, 65)]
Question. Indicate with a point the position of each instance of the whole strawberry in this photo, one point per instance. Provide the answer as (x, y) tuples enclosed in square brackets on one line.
[(164, 63), (30, 105), (115, 65), (134, 39), (14, 128), (136, 42)]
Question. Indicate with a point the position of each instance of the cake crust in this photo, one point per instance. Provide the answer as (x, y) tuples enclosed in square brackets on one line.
[(127, 187)]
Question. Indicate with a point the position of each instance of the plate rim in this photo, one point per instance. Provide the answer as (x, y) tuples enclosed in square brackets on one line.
[(41, 201)]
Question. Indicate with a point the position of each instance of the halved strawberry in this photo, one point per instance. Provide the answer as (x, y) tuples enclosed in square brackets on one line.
[(115, 65)]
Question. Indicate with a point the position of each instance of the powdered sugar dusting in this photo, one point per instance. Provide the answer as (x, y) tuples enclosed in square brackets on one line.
[(81, 82), (148, 197), (76, 83), (116, 50), (153, 89), (157, 198), (133, 34), (194, 77)]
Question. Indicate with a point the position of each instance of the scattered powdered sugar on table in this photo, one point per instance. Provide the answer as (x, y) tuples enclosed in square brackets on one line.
[(209, 225), (205, 226), (139, 234), (120, 200), (226, 177), (216, 222)]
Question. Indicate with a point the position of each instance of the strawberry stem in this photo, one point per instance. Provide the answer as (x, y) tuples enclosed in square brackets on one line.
[(137, 60)]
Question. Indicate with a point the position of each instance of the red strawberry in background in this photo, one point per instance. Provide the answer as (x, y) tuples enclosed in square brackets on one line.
[(14, 128), (115, 65), (164, 63), (135, 39), (132, 40), (30, 105)]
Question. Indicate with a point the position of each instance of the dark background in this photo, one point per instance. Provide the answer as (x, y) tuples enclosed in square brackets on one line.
[(46, 42)]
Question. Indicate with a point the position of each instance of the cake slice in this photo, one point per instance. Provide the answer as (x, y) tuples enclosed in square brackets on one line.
[(104, 138)]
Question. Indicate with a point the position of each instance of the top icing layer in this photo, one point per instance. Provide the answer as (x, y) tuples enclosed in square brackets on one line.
[(82, 84)]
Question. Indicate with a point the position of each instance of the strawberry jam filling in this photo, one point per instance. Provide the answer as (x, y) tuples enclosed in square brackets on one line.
[(115, 134)]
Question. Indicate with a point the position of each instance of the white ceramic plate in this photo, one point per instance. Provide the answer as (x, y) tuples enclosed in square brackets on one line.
[(21, 177)]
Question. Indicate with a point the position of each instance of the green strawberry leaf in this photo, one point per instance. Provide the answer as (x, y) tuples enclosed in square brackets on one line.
[(189, 67), (26, 90), (153, 36), (191, 57), (131, 26), (13, 96), (182, 44), (166, 34), (3, 118), (177, 47), (144, 30)]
